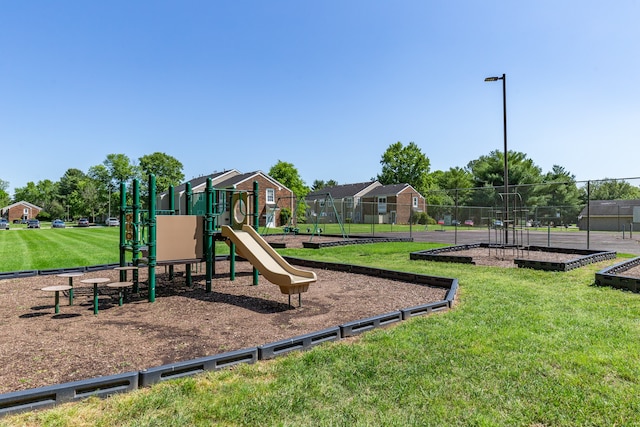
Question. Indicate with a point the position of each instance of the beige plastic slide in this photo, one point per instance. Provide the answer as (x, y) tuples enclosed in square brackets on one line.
[(250, 245)]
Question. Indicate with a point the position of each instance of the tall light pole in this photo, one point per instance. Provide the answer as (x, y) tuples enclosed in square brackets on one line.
[(506, 165)]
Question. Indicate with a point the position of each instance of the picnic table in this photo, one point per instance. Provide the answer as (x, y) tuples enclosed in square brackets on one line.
[(95, 281), (57, 289)]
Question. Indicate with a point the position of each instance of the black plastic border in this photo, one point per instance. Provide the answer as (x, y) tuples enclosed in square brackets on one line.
[(42, 397), (301, 342), (614, 276), (158, 374), (356, 327)]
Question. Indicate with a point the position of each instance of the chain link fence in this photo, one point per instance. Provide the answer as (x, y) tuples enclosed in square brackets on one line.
[(527, 214)]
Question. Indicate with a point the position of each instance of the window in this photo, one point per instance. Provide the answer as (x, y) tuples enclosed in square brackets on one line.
[(271, 196), (349, 202), (382, 205), (415, 202)]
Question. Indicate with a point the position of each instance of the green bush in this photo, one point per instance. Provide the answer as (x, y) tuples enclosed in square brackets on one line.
[(285, 216)]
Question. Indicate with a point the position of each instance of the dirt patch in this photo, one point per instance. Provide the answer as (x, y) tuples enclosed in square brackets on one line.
[(297, 240), (505, 257), (632, 272), (41, 348)]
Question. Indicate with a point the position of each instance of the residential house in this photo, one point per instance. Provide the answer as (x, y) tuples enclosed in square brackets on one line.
[(20, 211), (392, 204), (366, 202), (272, 195), (610, 215)]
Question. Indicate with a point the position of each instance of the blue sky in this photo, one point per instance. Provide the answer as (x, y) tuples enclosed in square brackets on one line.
[(326, 85)]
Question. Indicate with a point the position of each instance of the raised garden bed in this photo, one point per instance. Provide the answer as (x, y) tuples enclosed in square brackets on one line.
[(624, 275), (535, 257)]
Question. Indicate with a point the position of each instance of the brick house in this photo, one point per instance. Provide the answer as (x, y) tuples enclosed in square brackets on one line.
[(367, 202), (20, 211), (272, 195), (392, 204)]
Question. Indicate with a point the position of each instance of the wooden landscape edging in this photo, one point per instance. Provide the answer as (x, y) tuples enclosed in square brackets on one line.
[(44, 397)]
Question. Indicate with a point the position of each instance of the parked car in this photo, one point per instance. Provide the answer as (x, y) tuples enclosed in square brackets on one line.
[(4, 224), (57, 223), (497, 224), (33, 223), (455, 222), (468, 222), (83, 222), (441, 222), (112, 222)]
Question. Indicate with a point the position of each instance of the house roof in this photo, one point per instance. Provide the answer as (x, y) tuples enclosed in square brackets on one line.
[(611, 207), (21, 203), (345, 190), (202, 180), (390, 190), (236, 180)]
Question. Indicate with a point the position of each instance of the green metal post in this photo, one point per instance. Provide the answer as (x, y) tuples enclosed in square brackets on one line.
[(57, 308), (232, 246), (135, 228), (172, 207), (152, 238), (123, 229), (188, 211), (209, 233), (256, 222)]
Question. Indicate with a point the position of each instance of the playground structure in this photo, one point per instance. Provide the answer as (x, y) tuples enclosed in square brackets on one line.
[(160, 237), (322, 211), (319, 211), (516, 223)]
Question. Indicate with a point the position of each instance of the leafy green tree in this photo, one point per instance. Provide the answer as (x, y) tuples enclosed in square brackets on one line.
[(405, 165), (561, 194), (167, 169), (457, 181), (28, 193), (69, 191), (287, 174), (120, 168), (488, 172), (610, 189), (4, 195), (319, 184), (43, 194)]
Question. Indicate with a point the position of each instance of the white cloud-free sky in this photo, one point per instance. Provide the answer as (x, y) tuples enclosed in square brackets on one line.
[(326, 85)]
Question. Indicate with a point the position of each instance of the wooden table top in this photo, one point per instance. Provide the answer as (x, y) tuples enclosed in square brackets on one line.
[(73, 274), (96, 280), (57, 288)]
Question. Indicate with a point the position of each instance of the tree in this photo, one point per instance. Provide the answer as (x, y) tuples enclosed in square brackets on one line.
[(562, 194), (405, 165), (288, 176), (319, 184), (610, 189), (4, 196), (43, 194), (167, 169), (120, 168), (69, 191), (488, 172)]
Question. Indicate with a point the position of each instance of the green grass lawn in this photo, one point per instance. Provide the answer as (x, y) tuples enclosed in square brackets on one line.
[(45, 248), (520, 348)]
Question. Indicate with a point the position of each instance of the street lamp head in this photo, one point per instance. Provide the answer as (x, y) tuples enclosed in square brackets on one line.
[(492, 79)]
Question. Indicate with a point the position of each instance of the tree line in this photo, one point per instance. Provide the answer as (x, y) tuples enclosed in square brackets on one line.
[(95, 193)]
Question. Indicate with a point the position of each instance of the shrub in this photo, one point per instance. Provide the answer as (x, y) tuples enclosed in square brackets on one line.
[(285, 216)]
